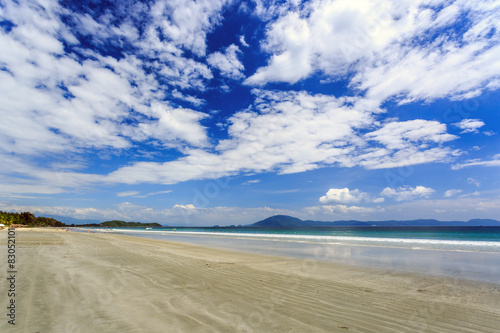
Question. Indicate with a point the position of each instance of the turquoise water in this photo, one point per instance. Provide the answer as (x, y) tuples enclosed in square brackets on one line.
[(460, 252), (473, 239), (435, 233)]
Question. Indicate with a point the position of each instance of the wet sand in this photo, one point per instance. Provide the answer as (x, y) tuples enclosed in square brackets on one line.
[(85, 282)]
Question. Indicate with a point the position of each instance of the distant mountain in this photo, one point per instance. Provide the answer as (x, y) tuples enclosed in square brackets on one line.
[(484, 222), (280, 221), (284, 221)]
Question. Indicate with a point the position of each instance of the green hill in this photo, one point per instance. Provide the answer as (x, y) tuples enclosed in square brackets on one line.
[(123, 224)]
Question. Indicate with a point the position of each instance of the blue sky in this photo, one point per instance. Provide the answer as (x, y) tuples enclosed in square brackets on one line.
[(226, 112)]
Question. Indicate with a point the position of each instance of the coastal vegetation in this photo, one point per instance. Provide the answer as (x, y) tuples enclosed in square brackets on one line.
[(28, 219)]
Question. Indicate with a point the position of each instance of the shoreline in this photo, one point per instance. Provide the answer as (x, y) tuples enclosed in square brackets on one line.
[(81, 282), (469, 265)]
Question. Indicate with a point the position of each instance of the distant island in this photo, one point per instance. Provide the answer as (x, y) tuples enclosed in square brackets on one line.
[(284, 221), (122, 224)]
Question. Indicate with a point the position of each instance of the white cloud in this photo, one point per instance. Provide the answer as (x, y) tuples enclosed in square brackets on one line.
[(136, 194), (469, 125), (400, 135), (186, 23), (30, 188), (452, 192), (94, 103), (105, 103), (128, 193), (293, 62), (459, 209), (287, 132), (407, 143), (343, 196), (382, 41), (228, 63), (188, 98), (158, 193), (253, 181), (342, 210), (407, 192), (243, 42), (490, 163), (188, 206), (431, 73), (82, 104), (320, 130), (171, 125), (473, 181), (177, 215)]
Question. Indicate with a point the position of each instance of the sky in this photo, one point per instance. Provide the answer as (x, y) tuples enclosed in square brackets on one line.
[(227, 112)]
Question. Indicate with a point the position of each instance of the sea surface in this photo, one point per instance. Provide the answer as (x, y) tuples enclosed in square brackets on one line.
[(475, 239), (463, 252)]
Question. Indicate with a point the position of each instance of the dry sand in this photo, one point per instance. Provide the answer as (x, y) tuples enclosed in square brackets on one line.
[(85, 282)]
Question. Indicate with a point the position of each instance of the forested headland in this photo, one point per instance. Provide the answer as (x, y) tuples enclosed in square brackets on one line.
[(28, 219)]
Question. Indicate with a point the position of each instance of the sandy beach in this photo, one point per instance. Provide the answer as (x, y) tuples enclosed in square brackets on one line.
[(86, 282)]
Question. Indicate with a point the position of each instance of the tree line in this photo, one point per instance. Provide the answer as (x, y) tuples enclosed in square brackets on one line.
[(29, 219)]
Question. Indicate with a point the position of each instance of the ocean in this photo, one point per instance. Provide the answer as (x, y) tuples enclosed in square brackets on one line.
[(475, 239), (462, 252)]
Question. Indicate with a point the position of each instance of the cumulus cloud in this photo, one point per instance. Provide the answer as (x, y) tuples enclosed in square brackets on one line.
[(105, 99), (291, 132), (97, 102), (178, 214), (83, 99), (227, 63), (400, 135), (243, 41), (343, 196), (452, 192), (188, 206), (469, 125), (287, 132), (382, 41), (342, 200), (405, 193), (186, 22), (407, 143), (293, 61), (342, 210), (319, 130)]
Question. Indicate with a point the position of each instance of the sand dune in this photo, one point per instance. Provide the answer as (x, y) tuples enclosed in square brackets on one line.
[(79, 282)]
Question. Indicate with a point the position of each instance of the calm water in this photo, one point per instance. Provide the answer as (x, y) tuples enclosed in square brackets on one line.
[(462, 252), (475, 239)]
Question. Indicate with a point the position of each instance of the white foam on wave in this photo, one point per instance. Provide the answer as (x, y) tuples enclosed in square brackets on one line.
[(450, 245)]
